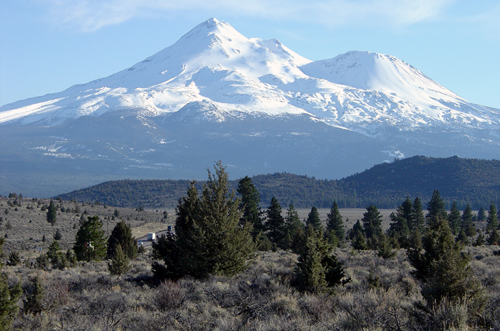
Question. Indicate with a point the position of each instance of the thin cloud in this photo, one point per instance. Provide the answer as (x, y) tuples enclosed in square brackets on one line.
[(91, 15)]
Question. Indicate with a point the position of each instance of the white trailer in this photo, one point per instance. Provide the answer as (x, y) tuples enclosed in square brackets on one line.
[(151, 236)]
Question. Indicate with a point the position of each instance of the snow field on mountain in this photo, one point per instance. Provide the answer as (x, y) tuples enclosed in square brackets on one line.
[(214, 64)]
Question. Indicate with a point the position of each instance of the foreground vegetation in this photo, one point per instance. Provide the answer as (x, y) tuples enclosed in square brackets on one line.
[(230, 265), (382, 295)]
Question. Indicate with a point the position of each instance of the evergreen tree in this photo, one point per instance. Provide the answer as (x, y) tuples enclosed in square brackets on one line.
[(384, 248), (357, 227), (56, 258), (34, 298), (8, 297), (14, 258), (462, 238), (179, 251), (442, 268), (121, 235), (317, 270), (398, 229), (120, 262), (358, 238), (480, 241), (406, 210), (492, 220), (334, 223), (481, 214), (470, 230), (58, 235), (52, 213), (372, 222), (208, 238), (467, 221), (494, 238), (418, 218), (249, 204), (90, 242), (435, 208), (293, 229), (54, 250), (275, 224), (314, 220), (415, 240), (454, 218)]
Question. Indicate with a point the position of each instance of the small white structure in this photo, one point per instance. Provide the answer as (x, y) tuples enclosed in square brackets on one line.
[(151, 236)]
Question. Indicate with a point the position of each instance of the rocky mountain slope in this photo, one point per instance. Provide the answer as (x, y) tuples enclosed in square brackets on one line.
[(254, 104)]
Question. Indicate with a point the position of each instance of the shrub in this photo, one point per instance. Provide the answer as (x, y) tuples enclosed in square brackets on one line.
[(14, 258), (169, 295)]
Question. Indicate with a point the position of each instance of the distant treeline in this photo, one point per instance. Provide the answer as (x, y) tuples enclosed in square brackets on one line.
[(465, 181)]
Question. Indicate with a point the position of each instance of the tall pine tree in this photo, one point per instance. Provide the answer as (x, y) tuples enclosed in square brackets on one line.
[(249, 204), (443, 270), (436, 208), (122, 236), (317, 270), (454, 218), (334, 224), (492, 220), (481, 214), (418, 218), (294, 230), (467, 224), (275, 224), (314, 220), (372, 222), (52, 213), (209, 239), (90, 242)]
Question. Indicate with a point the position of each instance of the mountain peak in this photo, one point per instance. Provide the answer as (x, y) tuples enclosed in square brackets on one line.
[(212, 22), (379, 72), (211, 27)]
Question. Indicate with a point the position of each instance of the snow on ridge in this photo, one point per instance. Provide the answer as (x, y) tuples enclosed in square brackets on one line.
[(215, 63)]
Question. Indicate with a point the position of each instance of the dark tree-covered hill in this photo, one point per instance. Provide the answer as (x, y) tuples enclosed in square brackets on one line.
[(386, 185)]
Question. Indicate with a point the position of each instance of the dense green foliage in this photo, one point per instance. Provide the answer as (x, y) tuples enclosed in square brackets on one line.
[(472, 181), (492, 219), (122, 236), (275, 224), (52, 213), (454, 218), (294, 230), (249, 204), (120, 262), (372, 222), (436, 208), (33, 303), (335, 225), (317, 268), (314, 220), (8, 297), (444, 270), (90, 242), (208, 238)]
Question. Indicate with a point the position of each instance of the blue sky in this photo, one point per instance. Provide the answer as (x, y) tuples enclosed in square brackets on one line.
[(48, 45)]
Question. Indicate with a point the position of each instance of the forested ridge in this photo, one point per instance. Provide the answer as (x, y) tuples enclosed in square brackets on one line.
[(466, 181)]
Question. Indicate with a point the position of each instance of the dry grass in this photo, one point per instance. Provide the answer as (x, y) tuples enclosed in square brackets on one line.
[(26, 224), (381, 296)]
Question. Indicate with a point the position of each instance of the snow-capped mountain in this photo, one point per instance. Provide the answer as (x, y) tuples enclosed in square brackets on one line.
[(255, 104)]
